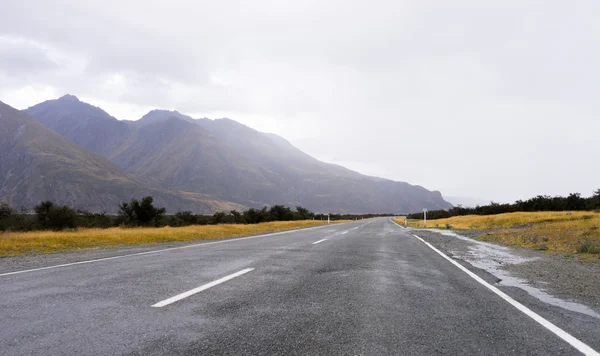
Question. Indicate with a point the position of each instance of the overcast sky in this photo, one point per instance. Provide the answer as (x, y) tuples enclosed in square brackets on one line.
[(489, 99)]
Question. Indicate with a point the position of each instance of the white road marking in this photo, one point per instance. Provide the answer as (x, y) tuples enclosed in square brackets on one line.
[(159, 251), (184, 295), (397, 224), (344, 232), (580, 346), (318, 242)]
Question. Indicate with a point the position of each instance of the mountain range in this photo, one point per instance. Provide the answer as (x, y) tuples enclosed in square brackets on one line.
[(74, 153)]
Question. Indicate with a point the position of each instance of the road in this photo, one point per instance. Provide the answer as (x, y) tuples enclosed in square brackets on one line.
[(360, 288)]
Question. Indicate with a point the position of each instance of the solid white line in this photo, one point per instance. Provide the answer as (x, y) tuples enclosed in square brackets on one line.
[(318, 242), (583, 348), (233, 239), (397, 224), (184, 295)]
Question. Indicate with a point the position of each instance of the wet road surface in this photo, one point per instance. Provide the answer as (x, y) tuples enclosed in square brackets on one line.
[(361, 288)]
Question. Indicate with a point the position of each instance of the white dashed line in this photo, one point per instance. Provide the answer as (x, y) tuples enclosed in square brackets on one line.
[(200, 289), (318, 242)]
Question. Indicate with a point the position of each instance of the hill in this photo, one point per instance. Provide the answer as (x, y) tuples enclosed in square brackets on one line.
[(81, 123), (318, 185), (180, 155), (39, 164), (228, 161)]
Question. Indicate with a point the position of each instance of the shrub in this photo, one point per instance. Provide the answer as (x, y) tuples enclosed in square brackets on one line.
[(141, 212), (573, 202), (281, 213), (303, 214), (5, 211), (56, 217), (95, 220), (589, 247), (184, 218)]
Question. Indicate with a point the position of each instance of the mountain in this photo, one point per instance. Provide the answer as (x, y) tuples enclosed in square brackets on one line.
[(226, 161), (84, 124), (321, 186), (156, 116), (39, 164), (180, 155)]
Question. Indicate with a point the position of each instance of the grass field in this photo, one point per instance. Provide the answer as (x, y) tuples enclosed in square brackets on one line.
[(19, 243), (563, 232)]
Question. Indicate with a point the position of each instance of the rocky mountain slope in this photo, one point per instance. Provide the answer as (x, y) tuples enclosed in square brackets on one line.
[(38, 164), (227, 161)]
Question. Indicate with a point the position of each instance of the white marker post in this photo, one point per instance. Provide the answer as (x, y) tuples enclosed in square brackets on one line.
[(328, 220), (425, 217)]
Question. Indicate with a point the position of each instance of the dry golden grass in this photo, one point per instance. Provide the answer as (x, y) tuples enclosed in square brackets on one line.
[(510, 220), (18, 243), (563, 232)]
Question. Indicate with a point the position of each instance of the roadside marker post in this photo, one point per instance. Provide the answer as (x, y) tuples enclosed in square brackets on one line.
[(425, 217), (328, 220)]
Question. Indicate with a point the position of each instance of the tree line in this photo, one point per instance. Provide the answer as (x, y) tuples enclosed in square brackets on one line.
[(572, 202), (49, 216)]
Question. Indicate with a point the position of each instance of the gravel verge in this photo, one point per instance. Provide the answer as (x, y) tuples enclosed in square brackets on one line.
[(553, 278)]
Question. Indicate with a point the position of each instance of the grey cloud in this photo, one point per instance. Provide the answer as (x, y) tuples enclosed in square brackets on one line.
[(19, 57)]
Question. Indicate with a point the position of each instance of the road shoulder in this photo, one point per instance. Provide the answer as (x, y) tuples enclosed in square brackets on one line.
[(555, 279)]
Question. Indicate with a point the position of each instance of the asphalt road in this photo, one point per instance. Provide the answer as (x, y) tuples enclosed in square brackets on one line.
[(366, 288)]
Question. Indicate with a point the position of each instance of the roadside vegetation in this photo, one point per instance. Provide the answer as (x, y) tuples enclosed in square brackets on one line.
[(569, 225), (53, 228), (28, 242), (573, 202), (136, 213), (576, 232)]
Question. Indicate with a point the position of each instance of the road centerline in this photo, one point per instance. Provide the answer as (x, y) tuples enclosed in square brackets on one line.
[(204, 287), (318, 242)]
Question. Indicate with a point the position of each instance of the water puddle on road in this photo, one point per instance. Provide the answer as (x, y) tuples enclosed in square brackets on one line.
[(492, 258)]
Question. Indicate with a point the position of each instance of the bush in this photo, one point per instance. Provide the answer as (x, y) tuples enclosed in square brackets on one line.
[(303, 214), (281, 213), (589, 247), (56, 217), (540, 203), (95, 220), (141, 212), (12, 220), (5, 211), (184, 218)]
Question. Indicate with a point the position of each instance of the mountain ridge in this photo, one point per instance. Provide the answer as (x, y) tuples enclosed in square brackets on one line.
[(39, 164), (228, 161)]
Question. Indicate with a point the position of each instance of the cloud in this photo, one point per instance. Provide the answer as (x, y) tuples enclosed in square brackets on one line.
[(492, 100), (19, 57)]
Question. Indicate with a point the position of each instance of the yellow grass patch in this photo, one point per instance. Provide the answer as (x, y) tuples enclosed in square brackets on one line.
[(18, 243), (564, 232)]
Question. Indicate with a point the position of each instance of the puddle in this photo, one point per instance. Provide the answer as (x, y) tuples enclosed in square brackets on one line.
[(492, 258)]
